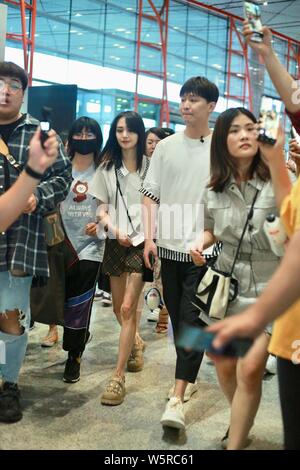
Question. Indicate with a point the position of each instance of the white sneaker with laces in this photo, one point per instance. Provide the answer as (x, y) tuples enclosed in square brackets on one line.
[(106, 299), (173, 415), (153, 298), (190, 389), (98, 294)]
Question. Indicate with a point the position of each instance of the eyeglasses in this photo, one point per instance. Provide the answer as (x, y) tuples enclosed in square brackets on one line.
[(13, 85)]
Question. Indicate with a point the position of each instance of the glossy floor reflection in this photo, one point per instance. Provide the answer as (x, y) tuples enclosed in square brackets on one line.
[(69, 416)]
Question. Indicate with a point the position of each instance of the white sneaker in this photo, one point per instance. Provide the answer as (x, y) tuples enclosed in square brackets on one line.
[(190, 389), (153, 315), (153, 298), (98, 294), (271, 366), (173, 415), (106, 299)]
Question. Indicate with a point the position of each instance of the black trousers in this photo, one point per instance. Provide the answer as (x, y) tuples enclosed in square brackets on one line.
[(80, 288), (179, 285), (103, 282), (289, 391)]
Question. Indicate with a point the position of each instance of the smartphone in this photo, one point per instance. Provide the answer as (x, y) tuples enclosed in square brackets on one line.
[(268, 127), (198, 339), (136, 239), (151, 259), (295, 135), (45, 124), (253, 14)]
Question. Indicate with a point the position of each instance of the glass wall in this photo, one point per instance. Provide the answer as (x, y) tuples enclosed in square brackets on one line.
[(104, 33)]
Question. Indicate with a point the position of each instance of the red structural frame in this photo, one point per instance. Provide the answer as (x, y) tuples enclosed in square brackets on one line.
[(234, 24), (26, 37), (161, 18)]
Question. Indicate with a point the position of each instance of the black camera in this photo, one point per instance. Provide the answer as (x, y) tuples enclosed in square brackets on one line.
[(268, 126), (45, 124)]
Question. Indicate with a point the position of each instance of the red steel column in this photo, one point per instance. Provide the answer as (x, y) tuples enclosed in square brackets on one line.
[(27, 39), (161, 18)]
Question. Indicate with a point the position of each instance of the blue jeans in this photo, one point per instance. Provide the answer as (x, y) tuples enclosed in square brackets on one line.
[(14, 294)]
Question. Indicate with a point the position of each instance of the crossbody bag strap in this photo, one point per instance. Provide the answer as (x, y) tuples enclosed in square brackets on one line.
[(249, 217), (120, 191), (5, 152)]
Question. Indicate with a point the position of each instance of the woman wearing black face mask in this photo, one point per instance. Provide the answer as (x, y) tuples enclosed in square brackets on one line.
[(78, 213)]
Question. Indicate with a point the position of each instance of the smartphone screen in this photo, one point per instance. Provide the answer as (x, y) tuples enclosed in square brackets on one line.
[(198, 339), (253, 15), (268, 126)]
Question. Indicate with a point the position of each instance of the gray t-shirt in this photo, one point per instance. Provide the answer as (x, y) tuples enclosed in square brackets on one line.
[(79, 209)]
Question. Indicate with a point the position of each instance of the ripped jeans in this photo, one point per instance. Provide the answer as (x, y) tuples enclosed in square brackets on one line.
[(14, 294)]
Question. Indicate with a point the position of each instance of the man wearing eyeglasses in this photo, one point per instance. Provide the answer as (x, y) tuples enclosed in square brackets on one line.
[(23, 252)]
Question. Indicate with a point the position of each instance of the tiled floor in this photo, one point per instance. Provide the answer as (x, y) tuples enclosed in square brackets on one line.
[(70, 416)]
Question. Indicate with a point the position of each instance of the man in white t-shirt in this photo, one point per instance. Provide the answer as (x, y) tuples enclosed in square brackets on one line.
[(178, 173)]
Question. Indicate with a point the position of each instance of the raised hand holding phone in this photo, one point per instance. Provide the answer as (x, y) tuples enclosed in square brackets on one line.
[(198, 339), (268, 127), (253, 15)]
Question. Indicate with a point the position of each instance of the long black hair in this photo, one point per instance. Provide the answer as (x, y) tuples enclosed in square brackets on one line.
[(90, 125), (112, 152), (222, 164)]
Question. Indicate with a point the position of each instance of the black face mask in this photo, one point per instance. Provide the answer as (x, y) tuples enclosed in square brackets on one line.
[(84, 146)]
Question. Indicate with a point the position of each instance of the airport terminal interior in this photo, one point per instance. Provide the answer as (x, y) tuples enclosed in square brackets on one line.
[(99, 58), (69, 416)]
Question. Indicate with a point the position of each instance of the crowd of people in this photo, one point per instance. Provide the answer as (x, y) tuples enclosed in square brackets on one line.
[(114, 207)]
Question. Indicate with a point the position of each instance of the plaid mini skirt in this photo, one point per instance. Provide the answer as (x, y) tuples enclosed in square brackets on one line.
[(119, 259)]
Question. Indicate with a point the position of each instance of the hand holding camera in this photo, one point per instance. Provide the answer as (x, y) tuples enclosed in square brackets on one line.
[(40, 158), (273, 152), (45, 125)]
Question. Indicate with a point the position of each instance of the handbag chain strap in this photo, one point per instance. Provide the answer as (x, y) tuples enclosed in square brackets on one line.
[(249, 217), (120, 191)]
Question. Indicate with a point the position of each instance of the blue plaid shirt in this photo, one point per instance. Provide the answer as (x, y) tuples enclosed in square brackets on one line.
[(23, 246)]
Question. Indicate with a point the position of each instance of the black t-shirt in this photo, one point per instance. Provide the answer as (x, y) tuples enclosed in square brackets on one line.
[(7, 129)]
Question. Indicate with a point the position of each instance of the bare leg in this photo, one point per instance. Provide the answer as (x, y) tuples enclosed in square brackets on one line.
[(226, 372), (138, 317), (180, 386), (250, 370), (118, 287), (128, 314)]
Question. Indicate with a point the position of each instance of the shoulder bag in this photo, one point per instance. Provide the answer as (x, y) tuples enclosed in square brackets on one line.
[(215, 288)]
